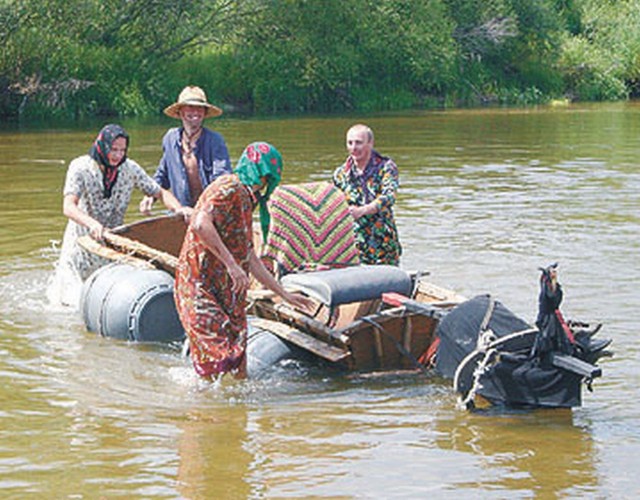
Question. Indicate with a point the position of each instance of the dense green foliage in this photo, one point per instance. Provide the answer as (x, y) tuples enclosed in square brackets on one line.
[(80, 57)]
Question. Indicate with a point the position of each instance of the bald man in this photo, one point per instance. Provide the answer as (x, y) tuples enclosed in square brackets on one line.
[(370, 182)]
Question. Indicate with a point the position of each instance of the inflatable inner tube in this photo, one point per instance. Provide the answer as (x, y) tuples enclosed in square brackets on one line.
[(125, 302)]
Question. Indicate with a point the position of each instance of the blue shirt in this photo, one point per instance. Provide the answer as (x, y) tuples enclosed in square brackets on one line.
[(213, 161)]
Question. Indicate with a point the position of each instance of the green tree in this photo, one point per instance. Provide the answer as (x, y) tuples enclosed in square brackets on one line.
[(602, 62), (77, 57), (508, 48), (106, 55), (305, 55)]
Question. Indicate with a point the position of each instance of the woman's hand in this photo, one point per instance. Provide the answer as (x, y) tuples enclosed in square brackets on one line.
[(299, 300), (71, 209), (96, 230), (239, 279)]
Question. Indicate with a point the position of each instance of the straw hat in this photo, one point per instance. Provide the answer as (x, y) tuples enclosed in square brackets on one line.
[(192, 96)]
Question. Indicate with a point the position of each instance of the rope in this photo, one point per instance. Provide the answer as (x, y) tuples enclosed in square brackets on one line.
[(485, 337), (481, 369), (487, 315)]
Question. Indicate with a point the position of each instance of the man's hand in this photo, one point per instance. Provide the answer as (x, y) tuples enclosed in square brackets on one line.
[(359, 211), (185, 212)]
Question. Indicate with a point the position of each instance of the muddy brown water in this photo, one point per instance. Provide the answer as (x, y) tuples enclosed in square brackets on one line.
[(486, 197)]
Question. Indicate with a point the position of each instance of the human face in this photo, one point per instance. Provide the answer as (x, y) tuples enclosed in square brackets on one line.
[(192, 116), (117, 152), (359, 146), (258, 187)]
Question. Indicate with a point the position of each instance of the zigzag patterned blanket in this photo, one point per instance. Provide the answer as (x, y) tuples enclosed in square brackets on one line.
[(310, 228)]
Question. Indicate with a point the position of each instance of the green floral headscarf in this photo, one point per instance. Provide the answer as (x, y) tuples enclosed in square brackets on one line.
[(258, 160)]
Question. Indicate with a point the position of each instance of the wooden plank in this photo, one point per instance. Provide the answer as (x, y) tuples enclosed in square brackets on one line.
[(161, 259), (91, 245), (363, 344), (303, 340), (407, 334), (430, 292), (377, 337), (260, 294), (319, 329)]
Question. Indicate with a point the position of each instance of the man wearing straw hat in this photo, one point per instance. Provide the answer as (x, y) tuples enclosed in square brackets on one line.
[(192, 155)]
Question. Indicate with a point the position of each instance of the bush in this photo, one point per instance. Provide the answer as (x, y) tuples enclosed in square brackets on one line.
[(590, 73), (81, 57)]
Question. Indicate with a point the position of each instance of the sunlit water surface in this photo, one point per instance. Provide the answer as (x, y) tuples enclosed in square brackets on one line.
[(486, 197)]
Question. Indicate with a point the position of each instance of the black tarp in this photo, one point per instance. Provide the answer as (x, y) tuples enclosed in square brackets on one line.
[(458, 331), (516, 379), (530, 383)]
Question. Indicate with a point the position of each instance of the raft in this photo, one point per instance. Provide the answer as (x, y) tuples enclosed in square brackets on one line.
[(351, 328), (366, 319)]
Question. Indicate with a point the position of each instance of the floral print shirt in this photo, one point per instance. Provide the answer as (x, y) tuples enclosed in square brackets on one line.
[(84, 180), (376, 235)]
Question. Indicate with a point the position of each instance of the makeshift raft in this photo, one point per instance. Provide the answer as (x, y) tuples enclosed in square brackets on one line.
[(350, 328), (366, 319)]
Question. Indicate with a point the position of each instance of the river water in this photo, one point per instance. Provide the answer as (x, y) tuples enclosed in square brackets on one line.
[(487, 196)]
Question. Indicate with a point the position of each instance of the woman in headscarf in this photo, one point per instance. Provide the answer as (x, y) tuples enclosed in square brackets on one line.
[(97, 192), (217, 256)]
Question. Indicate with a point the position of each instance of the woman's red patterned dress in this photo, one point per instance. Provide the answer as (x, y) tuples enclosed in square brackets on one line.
[(213, 316)]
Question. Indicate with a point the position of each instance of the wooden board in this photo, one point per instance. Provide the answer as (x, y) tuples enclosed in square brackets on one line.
[(91, 245), (378, 345), (164, 234), (288, 314), (305, 341), (158, 258), (430, 292), (151, 243)]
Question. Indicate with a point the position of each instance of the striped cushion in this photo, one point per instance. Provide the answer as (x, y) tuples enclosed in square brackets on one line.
[(310, 228)]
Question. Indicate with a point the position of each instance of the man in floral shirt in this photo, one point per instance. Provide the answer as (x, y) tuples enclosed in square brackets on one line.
[(370, 181)]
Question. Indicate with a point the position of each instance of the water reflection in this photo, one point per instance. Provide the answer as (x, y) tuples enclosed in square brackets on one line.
[(354, 438), (543, 453), (215, 461)]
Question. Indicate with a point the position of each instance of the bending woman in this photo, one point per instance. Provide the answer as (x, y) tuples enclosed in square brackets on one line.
[(97, 192), (217, 256)]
